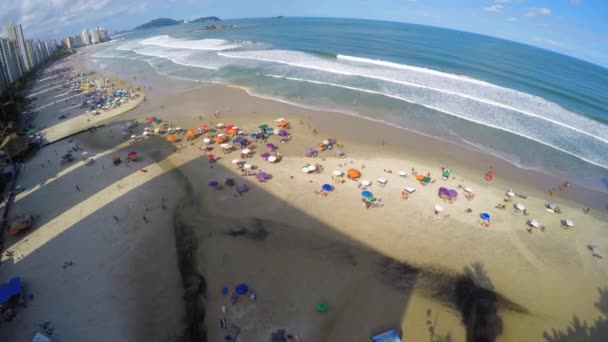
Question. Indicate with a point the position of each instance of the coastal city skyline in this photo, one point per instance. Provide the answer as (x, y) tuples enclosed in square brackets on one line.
[(19, 55)]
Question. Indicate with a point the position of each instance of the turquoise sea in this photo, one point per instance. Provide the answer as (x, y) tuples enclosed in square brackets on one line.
[(535, 108)]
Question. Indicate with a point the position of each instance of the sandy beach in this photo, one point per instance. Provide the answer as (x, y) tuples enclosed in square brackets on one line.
[(145, 235)]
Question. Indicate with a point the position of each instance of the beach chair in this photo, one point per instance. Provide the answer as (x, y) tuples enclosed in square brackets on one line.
[(242, 189)]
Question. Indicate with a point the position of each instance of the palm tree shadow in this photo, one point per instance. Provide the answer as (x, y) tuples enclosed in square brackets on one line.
[(581, 330)]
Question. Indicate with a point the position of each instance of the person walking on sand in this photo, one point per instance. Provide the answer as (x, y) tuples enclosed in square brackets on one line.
[(115, 219), (145, 219), (77, 188)]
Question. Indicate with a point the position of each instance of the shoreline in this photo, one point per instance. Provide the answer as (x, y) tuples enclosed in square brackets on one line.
[(590, 197)]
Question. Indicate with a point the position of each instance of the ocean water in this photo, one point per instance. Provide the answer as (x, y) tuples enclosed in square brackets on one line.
[(535, 108)]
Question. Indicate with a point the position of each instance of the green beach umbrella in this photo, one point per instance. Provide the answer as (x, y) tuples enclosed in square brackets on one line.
[(322, 307), (263, 127)]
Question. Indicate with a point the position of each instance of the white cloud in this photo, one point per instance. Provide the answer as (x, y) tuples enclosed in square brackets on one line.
[(503, 1), (534, 12), (512, 19), (493, 8)]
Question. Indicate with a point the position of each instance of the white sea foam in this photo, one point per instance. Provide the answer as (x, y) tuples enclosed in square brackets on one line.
[(460, 96), (502, 128), (203, 44), (475, 90)]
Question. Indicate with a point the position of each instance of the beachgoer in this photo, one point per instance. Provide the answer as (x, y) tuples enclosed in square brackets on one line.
[(469, 210), (115, 219), (77, 188), (145, 219), (314, 131), (223, 323), (586, 210)]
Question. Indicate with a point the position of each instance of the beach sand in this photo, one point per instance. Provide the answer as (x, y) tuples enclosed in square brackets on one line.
[(396, 266)]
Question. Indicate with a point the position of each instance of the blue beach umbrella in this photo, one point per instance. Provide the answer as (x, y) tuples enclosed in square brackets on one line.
[(485, 216), (242, 289), (326, 187), (366, 193)]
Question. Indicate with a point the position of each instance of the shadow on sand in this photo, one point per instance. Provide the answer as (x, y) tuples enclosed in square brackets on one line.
[(469, 293), (578, 330)]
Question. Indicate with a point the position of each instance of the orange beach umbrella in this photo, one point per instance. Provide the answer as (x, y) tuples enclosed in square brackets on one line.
[(353, 173), (191, 133), (171, 138)]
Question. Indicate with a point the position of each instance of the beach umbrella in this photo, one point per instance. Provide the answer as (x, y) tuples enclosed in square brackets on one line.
[(265, 155), (283, 133), (322, 307), (132, 154), (246, 151), (312, 168), (438, 208), (402, 173), (85, 153), (204, 127), (569, 223), (239, 140), (279, 120), (206, 140), (520, 206), (271, 146), (248, 166), (382, 180), (552, 206), (210, 156), (220, 125), (305, 169), (326, 187), (242, 289), (443, 191), (282, 123), (146, 133), (253, 135), (213, 184), (191, 133), (262, 175), (233, 131), (353, 173), (157, 130), (151, 119), (452, 193), (337, 173), (485, 216), (534, 223), (426, 179), (225, 146), (229, 127), (365, 182), (310, 151), (236, 161), (171, 138), (467, 190), (272, 159), (263, 127), (276, 131), (510, 193), (133, 136), (366, 193), (325, 142)]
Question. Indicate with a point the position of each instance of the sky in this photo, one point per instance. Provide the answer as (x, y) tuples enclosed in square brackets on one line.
[(578, 28)]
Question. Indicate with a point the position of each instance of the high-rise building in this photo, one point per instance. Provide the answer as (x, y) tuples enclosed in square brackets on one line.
[(95, 36), (86, 37), (3, 84), (15, 33), (9, 61), (29, 53)]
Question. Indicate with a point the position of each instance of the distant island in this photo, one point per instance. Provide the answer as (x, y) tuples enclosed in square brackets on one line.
[(214, 27), (161, 22), (279, 17)]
